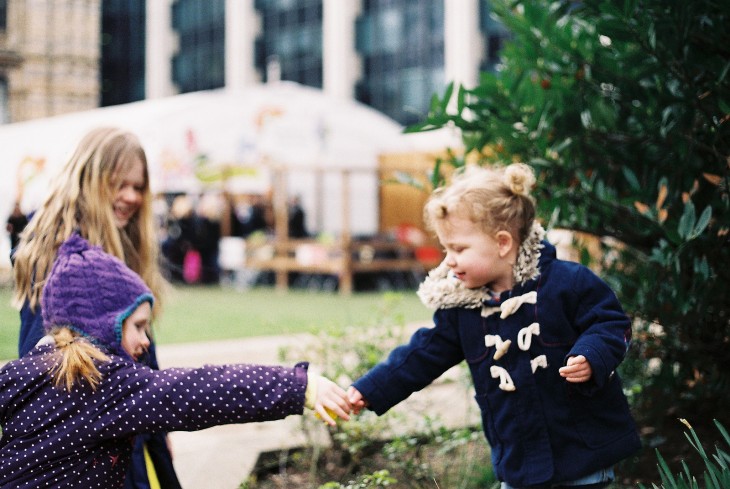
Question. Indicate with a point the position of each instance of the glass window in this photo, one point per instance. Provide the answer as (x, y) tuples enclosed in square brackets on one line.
[(292, 32), (495, 34), (200, 61), (403, 56), (4, 107), (122, 70), (3, 14)]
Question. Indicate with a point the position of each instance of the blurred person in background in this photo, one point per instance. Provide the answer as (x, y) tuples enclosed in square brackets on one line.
[(15, 224), (181, 242), (208, 235)]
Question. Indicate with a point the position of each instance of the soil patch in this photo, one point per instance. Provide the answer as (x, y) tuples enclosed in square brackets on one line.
[(432, 465), (417, 466)]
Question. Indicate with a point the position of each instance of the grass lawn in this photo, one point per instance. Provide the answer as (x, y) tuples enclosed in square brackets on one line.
[(215, 313)]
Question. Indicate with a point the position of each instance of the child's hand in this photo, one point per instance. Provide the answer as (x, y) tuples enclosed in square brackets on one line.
[(577, 369), (331, 402), (357, 402)]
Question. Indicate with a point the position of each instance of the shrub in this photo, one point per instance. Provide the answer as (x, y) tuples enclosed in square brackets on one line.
[(623, 109)]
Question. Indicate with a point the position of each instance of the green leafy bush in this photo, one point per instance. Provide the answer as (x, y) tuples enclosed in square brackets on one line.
[(623, 109)]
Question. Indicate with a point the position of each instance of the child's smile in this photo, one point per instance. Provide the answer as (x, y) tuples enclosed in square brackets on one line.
[(474, 256)]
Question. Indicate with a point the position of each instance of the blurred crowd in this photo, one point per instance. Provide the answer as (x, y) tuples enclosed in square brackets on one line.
[(191, 228)]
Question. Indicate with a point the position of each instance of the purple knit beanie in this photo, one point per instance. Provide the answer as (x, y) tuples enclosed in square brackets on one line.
[(92, 292)]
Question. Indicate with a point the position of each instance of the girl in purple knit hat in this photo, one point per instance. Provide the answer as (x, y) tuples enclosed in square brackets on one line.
[(103, 193), (71, 407)]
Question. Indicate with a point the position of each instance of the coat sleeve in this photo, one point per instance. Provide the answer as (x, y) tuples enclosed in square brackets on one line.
[(31, 328), (136, 399), (604, 328), (413, 366)]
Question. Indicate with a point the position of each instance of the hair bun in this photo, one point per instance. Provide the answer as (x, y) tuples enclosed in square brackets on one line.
[(519, 178)]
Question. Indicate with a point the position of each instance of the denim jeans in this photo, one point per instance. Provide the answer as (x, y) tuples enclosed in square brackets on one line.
[(595, 480)]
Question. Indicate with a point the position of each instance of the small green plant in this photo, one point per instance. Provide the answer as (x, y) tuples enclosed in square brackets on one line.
[(368, 448), (717, 474), (439, 456), (378, 479)]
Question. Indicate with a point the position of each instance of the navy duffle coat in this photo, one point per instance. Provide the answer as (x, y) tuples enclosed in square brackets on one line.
[(541, 429)]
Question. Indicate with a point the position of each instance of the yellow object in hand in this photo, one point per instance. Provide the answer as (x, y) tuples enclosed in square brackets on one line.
[(332, 414)]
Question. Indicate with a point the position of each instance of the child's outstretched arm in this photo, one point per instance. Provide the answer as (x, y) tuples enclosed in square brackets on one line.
[(327, 399), (577, 369)]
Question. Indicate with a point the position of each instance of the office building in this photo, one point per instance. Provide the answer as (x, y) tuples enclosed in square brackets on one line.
[(392, 55)]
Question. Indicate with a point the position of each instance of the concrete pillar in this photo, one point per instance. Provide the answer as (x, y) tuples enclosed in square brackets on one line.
[(161, 43), (463, 42), (340, 63), (242, 26)]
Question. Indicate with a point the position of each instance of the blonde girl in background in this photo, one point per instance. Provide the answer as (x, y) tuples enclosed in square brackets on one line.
[(542, 338), (102, 193)]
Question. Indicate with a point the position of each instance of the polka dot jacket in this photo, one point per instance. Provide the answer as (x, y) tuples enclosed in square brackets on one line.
[(53, 438)]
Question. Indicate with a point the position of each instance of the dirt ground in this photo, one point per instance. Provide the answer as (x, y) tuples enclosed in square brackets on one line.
[(293, 470)]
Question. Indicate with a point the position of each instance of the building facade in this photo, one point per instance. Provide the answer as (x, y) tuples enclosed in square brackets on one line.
[(49, 57), (64, 55)]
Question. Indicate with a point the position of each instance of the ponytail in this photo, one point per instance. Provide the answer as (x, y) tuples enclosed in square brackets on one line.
[(74, 360)]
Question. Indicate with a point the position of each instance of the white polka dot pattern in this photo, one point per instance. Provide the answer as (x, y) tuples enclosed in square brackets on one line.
[(52, 438)]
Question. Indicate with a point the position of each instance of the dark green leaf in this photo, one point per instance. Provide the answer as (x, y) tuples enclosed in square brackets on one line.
[(630, 177), (447, 97), (687, 221), (702, 222)]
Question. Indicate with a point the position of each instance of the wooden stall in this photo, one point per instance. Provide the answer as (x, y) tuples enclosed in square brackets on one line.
[(400, 206)]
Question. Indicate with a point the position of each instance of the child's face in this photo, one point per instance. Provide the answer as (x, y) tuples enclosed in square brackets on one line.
[(128, 198), (474, 256), (134, 331)]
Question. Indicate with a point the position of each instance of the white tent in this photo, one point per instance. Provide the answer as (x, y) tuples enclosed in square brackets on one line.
[(190, 138)]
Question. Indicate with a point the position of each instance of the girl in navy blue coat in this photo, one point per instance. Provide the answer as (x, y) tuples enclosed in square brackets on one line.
[(542, 338), (71, 407)]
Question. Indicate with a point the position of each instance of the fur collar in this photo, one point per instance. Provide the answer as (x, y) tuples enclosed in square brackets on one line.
[(441, 290)]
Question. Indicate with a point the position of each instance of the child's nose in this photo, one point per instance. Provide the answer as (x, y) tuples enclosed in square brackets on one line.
[(130, 194)]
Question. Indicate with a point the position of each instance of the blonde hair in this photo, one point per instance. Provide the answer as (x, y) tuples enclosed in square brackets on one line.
[(74, 359), (497, 198), (81, 199)]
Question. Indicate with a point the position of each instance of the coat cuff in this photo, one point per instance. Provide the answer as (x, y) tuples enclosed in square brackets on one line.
[(310, 395)]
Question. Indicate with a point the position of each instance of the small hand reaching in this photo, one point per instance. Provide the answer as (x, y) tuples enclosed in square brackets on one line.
[(357, 402), (331, 401), (577, 369)]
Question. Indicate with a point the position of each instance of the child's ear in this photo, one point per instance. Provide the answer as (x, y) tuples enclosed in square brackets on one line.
[(504, 242)]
